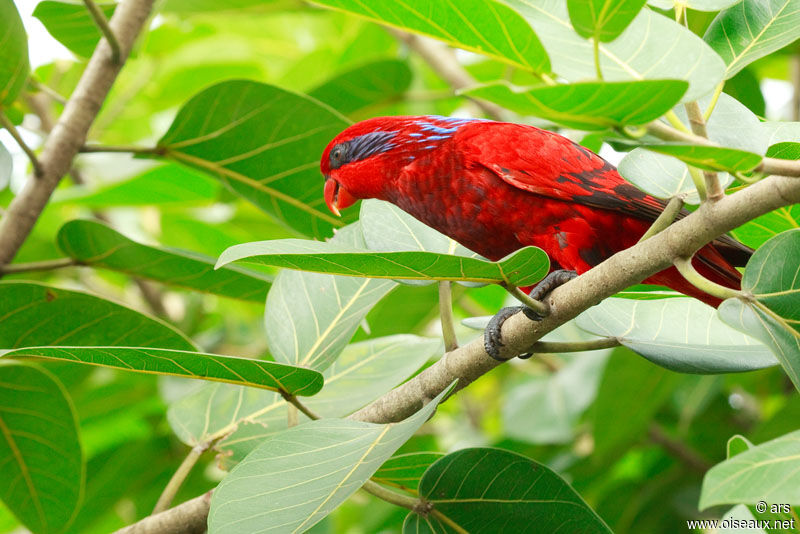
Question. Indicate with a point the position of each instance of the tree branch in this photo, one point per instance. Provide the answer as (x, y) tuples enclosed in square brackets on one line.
[(714, 190), (72, 128), (186, 518), (442, 60)]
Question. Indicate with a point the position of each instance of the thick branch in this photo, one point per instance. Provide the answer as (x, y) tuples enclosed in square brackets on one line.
[(72, 128), (442, 60), (187, 518)]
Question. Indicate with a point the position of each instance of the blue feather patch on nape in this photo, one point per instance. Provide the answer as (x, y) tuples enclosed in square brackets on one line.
[(366, 145)]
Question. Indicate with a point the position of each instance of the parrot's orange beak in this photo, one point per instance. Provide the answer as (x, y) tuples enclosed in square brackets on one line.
[(337, 197)]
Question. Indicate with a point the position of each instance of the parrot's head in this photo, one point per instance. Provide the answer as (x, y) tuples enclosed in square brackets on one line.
[(366, 159)]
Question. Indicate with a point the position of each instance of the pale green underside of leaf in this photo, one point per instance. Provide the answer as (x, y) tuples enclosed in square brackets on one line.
[(681, 334), (214, 367), (653, 47), (43, 471), (35, 315), (483, 26), (297, 477), (96, 244), (767, 472), (588, 105)]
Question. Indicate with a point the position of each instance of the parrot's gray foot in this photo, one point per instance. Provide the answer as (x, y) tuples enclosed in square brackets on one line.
[(492, 334)]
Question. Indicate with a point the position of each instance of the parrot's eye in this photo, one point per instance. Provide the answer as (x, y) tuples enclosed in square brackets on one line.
[(338, 155)]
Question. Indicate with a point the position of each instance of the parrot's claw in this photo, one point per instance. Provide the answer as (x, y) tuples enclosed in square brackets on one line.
[(492, 334)]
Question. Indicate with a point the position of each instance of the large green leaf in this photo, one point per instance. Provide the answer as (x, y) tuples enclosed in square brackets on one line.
[(264, 143), (681, 334), (297, 477), (767, 472), (492, 490), (165, 184), (71, 24), (364, 86), (521, 268), (653, 47), (772, 277), (588, 105), (756, 232), (752, 29), (603, 20), (93, 243), (711, 158), (215, 367), (14, 64), (43, 471), (35, 315), (484, 26), (246, 416)]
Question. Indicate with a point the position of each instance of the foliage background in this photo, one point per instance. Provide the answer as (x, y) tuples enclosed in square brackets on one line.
[(635, 443)]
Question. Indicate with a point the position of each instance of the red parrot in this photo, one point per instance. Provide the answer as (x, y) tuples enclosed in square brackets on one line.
[(496, 187)]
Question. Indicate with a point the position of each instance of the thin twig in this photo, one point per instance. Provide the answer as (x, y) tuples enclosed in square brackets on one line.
[(574, 346), (6, 123), (52, 93), (666, 218), (102, 23), (130, 149), (687, 270), (714, 190), (46, 265), (294, 401), (446, 316), (179, 477), (373, 488), (690, 457), (596, 48), (292, 416)]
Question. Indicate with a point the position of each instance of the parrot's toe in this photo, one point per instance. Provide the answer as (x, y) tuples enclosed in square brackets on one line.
[(550, 282), (492, 335)]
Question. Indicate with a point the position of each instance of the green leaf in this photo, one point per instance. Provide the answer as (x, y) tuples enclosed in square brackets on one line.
[(71, 24), (772, 277), (603, 20), (245, 416), (659, 175), (738, 444), (752, 29), (756, 232), (521, 268), (765, 472), (43, 471), (483, 26), (364, 86), (93, 243), (14, 66), (588, 105), (681, 334), (35, 315), (214, 367), (165, 184), (560, 398), (328, 461), (264, 143), (492, 490), (404, 471), (786, 150), (653, 47), (710, 157), (310, 317), (697, 5), (627, 381)]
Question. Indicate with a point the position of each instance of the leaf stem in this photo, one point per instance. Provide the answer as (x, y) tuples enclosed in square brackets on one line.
[(713, 103), (122, 148), (596, 49), (547, 347), (687, 270), (446, 315), (536, 305), (699, 181), (291, 399), (33, 266), (179, 477), (102, 23), (666, 218), (52, 93), (373, 488), (676, 122), (6, 123), (714, 190)]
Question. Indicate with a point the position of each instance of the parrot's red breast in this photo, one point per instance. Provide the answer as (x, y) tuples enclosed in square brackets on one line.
[(496, 187)]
